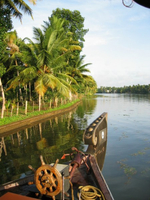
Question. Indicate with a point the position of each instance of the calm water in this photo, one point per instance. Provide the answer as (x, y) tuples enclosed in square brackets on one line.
[(127, 161)]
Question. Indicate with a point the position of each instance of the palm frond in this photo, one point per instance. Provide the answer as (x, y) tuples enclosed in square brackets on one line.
[(13, 6), (40, 87), (39, 36), (75, 47), (13, 83)]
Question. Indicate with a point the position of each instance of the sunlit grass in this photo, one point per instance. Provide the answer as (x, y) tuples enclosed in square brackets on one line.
[(31, 113)]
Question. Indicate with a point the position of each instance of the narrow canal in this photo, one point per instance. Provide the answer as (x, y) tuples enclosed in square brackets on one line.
[(127, 161)]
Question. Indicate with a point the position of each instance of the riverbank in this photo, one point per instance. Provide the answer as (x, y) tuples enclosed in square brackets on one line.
[(28, 122)]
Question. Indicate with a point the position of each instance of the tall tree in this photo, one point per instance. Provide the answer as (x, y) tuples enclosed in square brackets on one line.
[(47, 59), (5, 25), (13, 45), (73, 22), (79, 72)]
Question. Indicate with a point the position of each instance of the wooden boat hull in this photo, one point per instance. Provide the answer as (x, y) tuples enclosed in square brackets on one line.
[(95, 178), (81, 177)]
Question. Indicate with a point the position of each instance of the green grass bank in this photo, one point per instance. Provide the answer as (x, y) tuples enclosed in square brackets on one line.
[(31, 115)]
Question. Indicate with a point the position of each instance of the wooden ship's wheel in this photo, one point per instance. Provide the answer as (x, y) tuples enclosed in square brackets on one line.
[(48, 179)]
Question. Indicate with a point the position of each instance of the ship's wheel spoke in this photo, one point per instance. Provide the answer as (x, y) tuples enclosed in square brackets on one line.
[(40, 174), (51, 189), (45, 171)]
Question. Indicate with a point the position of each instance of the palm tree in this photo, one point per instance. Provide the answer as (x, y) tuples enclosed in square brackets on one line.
[(90, 86), (13, 48), (2, 71), (46, 59), (10, 39), (53, 47), (78, 71), (13, 45), (15, 5)]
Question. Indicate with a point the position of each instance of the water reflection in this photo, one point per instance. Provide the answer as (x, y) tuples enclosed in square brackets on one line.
[(86, 108), (128, 138), (2, 147), (51, 138)]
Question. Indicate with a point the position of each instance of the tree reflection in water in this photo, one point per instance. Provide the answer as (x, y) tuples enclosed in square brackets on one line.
[(51, 138)]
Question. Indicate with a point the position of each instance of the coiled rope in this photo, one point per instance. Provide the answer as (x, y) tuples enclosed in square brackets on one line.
[(90, 192)]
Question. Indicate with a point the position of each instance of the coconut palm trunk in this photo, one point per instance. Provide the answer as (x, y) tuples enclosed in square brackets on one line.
[(30, 96), (20, 91), (3, 97), (40, 102)]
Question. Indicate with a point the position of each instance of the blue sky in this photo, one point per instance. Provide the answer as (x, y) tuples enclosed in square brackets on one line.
[(118, 41)]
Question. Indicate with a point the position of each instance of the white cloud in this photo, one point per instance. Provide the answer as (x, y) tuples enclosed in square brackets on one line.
[(93, 40), (138, 17)]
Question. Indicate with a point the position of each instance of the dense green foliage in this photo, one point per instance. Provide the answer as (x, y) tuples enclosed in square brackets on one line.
[(73, 22), (48, 69), (5, 25), (135, 89)]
